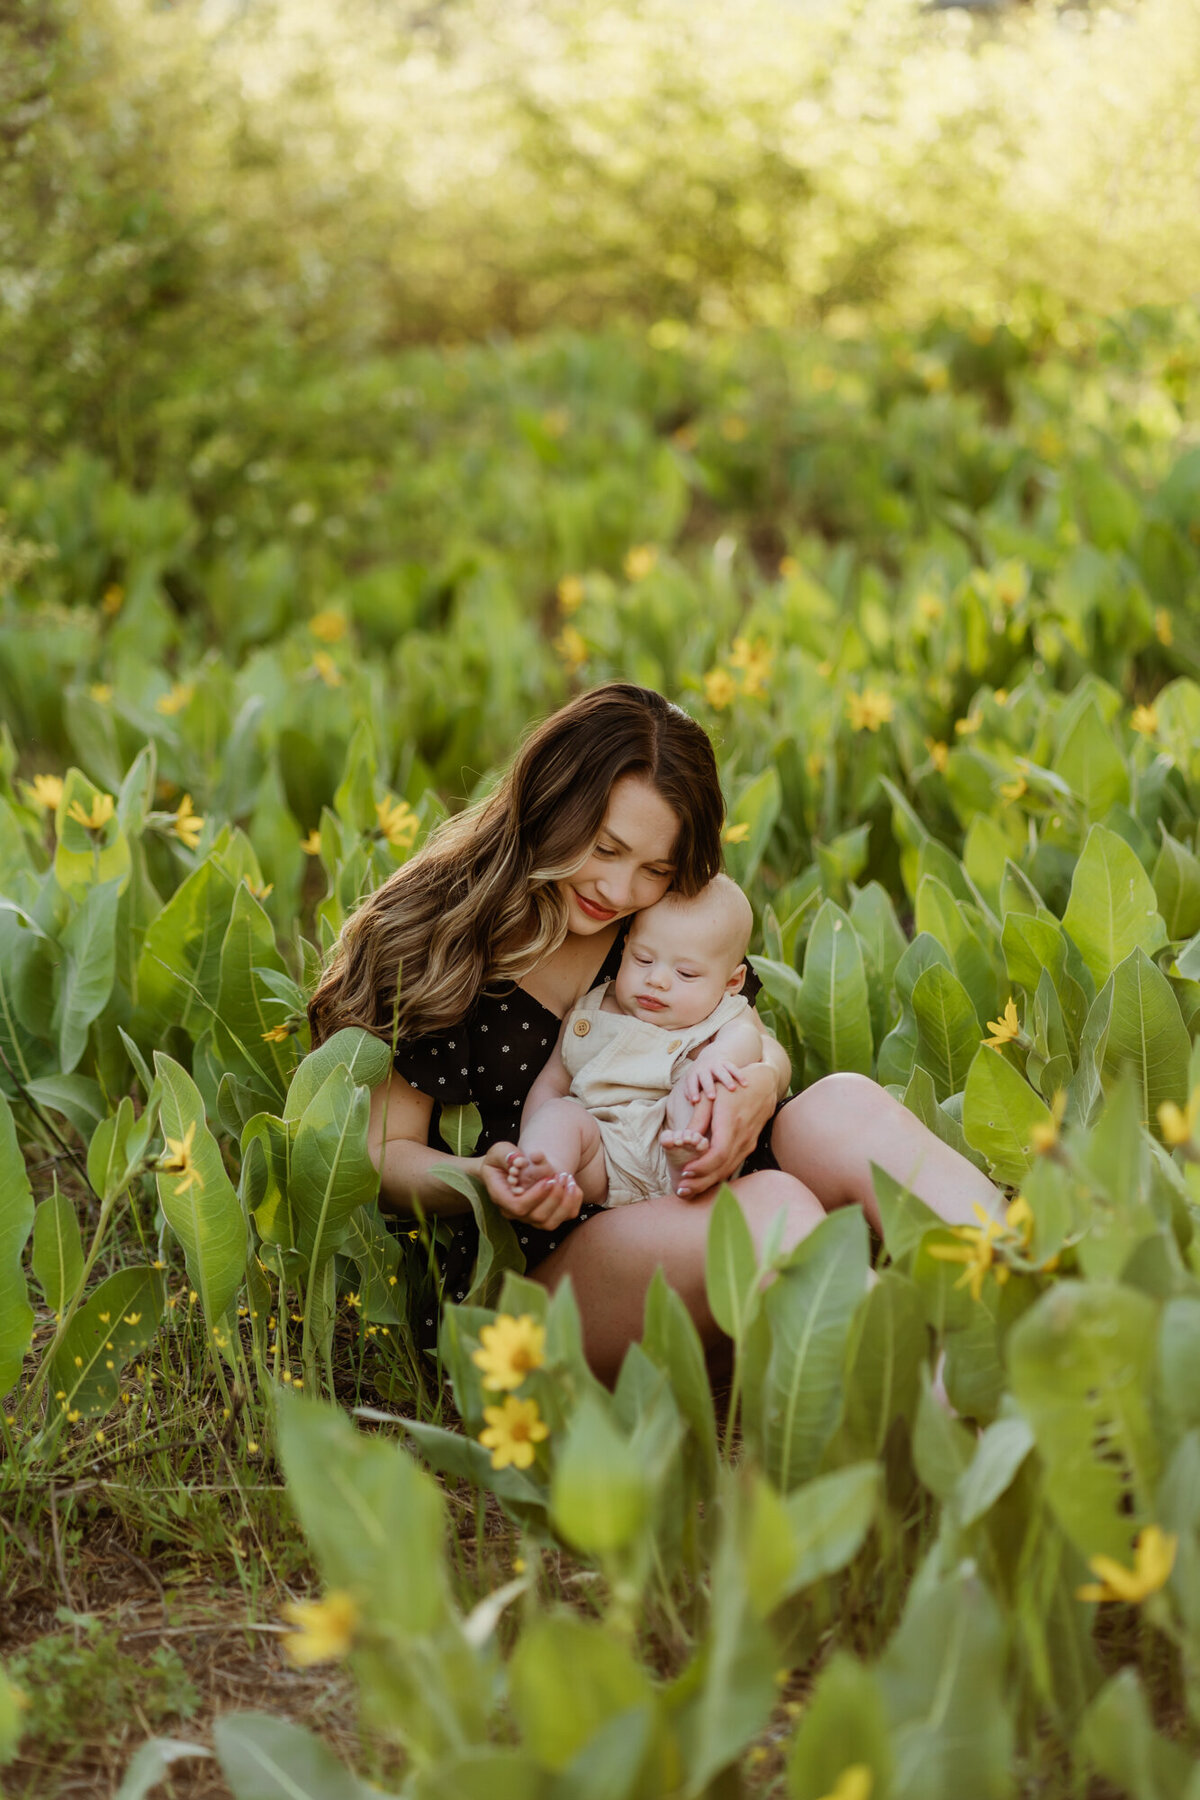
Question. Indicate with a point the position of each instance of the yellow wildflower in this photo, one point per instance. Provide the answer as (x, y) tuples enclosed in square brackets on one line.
[(187, 825), (510, 1350), (113, 600), (178, 1161), (1153, 1560), (854, 1783), (1013, 790), (175, 699), (571, 594), (753, 661), (324, 666), (640, 560), (1044, 1135), (1004, 1030), (260, 893), (329, 625), (788, 566), (1009, 584), (964, 727), (1177, 1126), (719, 688), (324, 1628), (1019, 1219), (512, 1431), (977, 1251), (101, 692), (930, 607), (44, 792), (869, 710), (684, 438), (278, 1034), (734, 428), (1145, 720), (1164, 631), (939, 754), (572, 647), (398, 822), (311, 845), (103, 807), (735, 834)]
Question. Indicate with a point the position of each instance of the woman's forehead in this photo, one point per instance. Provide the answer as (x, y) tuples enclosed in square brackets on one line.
[(640, 820)]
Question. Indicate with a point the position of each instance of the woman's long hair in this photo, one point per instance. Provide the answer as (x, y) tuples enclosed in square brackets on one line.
[(478, 905)]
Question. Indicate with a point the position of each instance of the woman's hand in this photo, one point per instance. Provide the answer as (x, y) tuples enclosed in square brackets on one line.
[(732, 1121), (546, 1204)]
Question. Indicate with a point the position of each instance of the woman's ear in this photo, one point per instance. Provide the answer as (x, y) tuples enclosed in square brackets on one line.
[(737, 980)]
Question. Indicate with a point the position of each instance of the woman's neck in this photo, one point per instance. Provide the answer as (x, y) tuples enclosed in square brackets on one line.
[(568, 972)]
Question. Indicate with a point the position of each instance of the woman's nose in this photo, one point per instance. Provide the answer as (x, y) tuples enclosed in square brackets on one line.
[(616, 889)]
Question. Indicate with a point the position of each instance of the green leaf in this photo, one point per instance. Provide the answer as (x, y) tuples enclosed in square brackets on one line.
[(731, 1265), (942, 1446), (599, 1497), (947, 1029), (809, 1307), (888, 1345), (993, 1469), (459, 1127), (1082, 1367), (830, 1518), (203, 1212), (1000, 1110), (77, 1097), (490, 1774), (84, 858), (244, 1004), (558, 1718), (1147, 1034), (178, 971), (1177, 886), (57, 1251), (672, 1343), (905, 1218), (1118, 1739), (758, 806), (1112, 909), (89, 939), (116, 1323), (834, 1004), (331, 1172), (16, 1220), (1086, 1090), (366, 1056), (1091, 765), (264, 1758), (844, 1726)]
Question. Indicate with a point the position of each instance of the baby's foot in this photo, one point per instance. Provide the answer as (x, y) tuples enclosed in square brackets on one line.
[(526, 1168), (680, 1148)]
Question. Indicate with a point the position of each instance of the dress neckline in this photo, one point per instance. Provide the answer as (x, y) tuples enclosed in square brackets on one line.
[(615, 949)]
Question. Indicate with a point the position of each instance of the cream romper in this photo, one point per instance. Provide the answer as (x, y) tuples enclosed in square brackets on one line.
[(622, 1070)]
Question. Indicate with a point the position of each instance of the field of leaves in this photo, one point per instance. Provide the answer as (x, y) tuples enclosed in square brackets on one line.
[(936, 597)]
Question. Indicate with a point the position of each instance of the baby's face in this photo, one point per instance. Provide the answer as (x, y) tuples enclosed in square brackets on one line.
[(677, 965)]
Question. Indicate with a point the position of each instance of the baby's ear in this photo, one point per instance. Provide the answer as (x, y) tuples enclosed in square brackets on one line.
[(737, 980)]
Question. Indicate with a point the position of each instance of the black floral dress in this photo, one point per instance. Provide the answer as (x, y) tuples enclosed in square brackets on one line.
[(493, 1058)]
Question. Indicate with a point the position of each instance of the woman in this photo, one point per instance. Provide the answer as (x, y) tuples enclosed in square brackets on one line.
[(512, 912)]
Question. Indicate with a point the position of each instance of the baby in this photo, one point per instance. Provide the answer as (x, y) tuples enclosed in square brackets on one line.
[(613, 1105)]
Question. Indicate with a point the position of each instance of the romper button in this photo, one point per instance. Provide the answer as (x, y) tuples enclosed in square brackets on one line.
[(674, 1045), (582, 1027)]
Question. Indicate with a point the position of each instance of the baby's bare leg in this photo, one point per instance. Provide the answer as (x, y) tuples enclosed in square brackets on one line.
[(561, 1138), (680, 1141)]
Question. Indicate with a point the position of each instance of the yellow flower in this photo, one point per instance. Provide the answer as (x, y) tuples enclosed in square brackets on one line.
[(814, 763), (1010, 583), (324, 1628), (572, 647), (571, 594), (1013, 790), (734, 428), (788, 566), (977, 1251), (1145, 720), (101, 692), (854, 1783), (311, 845), (1153, 1560), (735, 834), (964, 727), (187, 825), (324, 666), (1001, 696), (178, 1161), (260, 893), (869, 710), (1019, 1219), (1049, 443), (103, 807), (684, 438), (329, 625), (1044, 1135), (278, 1034), (175, 700), (114, 599), (1164, 631), (639, 561), (512, 1431), (1176, 1125), (753, 661), (1004, 1030), (44, 792), (939, 754), (398, 822), (511, 1349), (719, 688), (930, 607)]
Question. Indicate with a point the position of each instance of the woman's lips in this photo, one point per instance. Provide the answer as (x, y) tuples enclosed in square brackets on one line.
[(593, 911)]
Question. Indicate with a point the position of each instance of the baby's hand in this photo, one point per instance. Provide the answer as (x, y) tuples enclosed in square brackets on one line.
[(709, 1068)]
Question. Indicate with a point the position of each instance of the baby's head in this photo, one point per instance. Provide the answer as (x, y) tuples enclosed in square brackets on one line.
[(682, 956)]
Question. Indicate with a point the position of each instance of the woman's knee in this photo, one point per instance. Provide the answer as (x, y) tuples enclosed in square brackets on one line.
[(769, 1191)]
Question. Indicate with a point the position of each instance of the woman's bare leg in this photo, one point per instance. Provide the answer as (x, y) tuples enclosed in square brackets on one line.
[(612, 1257), (829, 1136)]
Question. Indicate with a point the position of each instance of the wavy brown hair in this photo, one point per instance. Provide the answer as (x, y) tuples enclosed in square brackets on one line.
[(479, 905)]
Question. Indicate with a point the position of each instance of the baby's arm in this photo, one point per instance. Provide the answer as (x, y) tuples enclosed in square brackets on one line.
[(723, 1058)]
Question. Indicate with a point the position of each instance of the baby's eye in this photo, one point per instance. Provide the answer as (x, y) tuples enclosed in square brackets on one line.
[(686, 974)]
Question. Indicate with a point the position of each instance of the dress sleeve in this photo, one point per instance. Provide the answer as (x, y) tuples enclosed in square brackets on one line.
[(438, 1065)]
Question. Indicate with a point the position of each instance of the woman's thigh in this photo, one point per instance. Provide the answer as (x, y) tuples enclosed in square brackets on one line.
[(612, 1257)]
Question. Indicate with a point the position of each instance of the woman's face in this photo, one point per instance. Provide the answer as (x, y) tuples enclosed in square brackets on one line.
[(629, 866)]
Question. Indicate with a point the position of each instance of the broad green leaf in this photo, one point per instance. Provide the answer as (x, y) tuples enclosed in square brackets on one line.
[(887, 1346), (179, 968), (1000, 1110), (77, 1097), (1082, 1368), (1054, 1627), (89, 940), (897, 1053), (1118, 1739), (366, 1056), (85, 858), (1112, 909), (244, 1009), (844, 1727), (758, 806), (1179, 1352), (266, 1179), (834, 1003), (464, 1459), (382, 1288), (265, 1758), (152, 1765), (1090, 763), (115, 1324), (200, 1204), (1147, 1034), (1086, 1090), (354, 800), (599, 1496), (944, 1120), (556, 1719), (459, 1128), (942, 1445), (1002, 1449), (331, 1172), (494, 1774), (57, 1251), (731, 1265), (16, 1220), (940, 913), (671, 1341), (781, 981), (947, 1029), (809, 1307), (1177, 887), (905, 1218), (830, 1518)]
